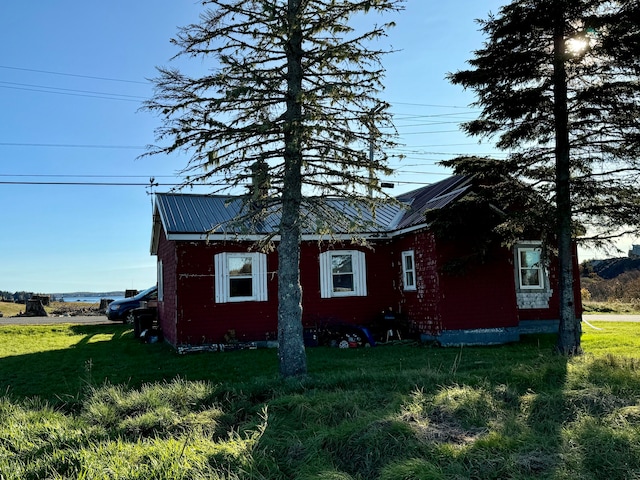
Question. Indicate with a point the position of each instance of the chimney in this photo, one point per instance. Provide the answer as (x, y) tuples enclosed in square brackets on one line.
[(260, 183)]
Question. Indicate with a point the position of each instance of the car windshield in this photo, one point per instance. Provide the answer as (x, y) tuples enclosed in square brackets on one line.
[(143, 293)]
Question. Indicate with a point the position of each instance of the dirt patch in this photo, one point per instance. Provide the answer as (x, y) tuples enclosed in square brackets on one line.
[(441, 427)]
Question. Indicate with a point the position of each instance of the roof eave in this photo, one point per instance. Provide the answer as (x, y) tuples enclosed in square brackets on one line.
[(232, 237)]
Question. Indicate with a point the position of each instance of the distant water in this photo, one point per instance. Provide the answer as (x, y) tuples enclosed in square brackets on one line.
[(88, 299)]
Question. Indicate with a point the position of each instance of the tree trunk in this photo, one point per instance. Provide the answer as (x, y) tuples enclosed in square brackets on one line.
[(569, 330), (291, 352)]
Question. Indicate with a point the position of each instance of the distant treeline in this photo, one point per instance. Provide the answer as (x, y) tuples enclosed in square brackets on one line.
[(19, 297), (611, 280), (22, 297)]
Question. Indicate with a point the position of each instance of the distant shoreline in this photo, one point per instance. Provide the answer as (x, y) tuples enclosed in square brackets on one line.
[(87, 297), (117, 293)]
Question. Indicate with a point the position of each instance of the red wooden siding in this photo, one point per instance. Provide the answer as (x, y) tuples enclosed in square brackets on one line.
[(422, 305), (167, 307), (200, 320), (360, 310), (483, 295)]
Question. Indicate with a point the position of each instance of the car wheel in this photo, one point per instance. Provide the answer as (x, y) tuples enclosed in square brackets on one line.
[(343, 344), (129, 317)]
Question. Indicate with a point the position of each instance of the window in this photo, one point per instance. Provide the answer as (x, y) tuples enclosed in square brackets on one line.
[(240, 277), (408, 270), (343, 274), (160, 282), (530, 268)]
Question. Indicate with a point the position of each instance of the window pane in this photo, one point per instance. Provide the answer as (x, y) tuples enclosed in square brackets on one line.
[(408, 282), (408, 262), (531, 277), (341, 264), (343, 282), (240, 287), (239, 266), (529, 258)]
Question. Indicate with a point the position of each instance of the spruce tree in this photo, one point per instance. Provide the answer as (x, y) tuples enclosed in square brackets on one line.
[(291, 85), (558, 86)]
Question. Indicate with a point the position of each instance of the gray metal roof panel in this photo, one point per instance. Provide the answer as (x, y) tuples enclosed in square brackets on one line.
[(183, 213), (200, 214), (430, 197)]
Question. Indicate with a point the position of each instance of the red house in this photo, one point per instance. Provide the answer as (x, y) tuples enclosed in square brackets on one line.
[(212, 280)]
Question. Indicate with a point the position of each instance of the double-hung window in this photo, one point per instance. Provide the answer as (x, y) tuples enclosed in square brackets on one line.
[(343, 274), (240, 277), (408, 270), (530, 268)]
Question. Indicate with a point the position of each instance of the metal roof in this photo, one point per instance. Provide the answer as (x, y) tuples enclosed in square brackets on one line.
[(187, 213), (432, 197), (201, 215)]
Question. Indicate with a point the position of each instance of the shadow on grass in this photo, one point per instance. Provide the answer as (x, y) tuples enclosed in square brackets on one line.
[(110, 354), (396, 412)]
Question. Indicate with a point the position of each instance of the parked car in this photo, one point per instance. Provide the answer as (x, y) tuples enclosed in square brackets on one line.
[(123, 309)]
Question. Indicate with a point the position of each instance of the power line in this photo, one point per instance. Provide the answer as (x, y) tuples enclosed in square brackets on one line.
[(74, 75), (430, 105), (428, 133), (91, 184), (43, 175), (70, 145), (135, 184), (73, 94), (71, 90), (112, 184)]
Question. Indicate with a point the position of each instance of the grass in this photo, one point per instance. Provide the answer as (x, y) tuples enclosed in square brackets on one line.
[(89, 402), (11, 309)]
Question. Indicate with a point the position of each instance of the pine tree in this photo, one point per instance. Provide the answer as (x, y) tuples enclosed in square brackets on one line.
[(291, 85), (557, 82)]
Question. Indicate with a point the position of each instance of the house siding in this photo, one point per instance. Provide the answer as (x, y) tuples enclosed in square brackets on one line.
[(203, 321), (483, 295), (442, 304), (318, 311), (200, 320), (419, 306), (167, 307)]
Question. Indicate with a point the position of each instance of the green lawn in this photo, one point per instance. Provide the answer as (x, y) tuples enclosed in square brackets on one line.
[(90, 402)]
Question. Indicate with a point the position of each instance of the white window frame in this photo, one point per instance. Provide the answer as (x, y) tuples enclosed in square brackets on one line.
[(160, 281), (408, 273), (359, 271), (540, 268), (223, 278)]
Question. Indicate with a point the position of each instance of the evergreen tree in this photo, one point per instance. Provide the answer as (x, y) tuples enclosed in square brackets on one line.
[(291, 86), (557, 82)]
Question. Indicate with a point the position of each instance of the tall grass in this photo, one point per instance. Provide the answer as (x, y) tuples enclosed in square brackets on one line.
[(390, 413)]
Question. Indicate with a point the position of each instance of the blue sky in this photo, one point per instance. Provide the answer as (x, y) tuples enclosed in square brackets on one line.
[(73, 74)]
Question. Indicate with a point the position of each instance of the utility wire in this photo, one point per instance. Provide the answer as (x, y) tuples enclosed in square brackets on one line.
[(109, 184), (73, 94), (73, 75), (72, 90), (70, 145), (44, 175)]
